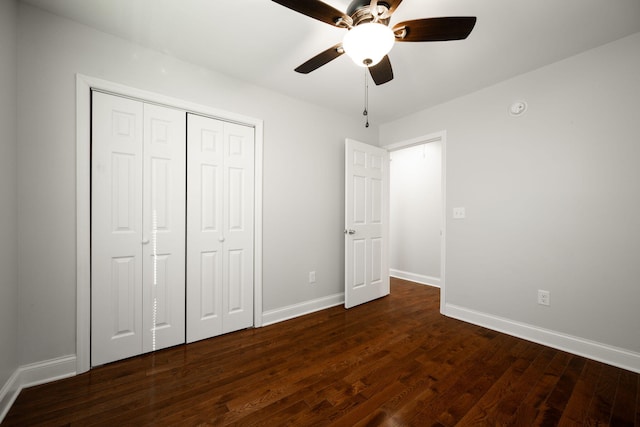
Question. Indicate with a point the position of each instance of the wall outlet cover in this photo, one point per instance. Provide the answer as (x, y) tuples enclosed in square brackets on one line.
[(459, 213), (544, 297)]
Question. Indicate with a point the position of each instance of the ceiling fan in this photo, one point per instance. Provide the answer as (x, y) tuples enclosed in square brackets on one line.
[(369, 37)]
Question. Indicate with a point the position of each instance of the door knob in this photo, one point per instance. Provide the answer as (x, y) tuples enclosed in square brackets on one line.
[(349, 231), (145, 242), (221, 239)]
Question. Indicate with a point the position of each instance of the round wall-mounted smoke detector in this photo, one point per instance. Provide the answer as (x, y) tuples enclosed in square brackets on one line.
[(518, 108)]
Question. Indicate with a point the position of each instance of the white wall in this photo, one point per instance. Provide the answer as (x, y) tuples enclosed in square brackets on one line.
[(8, 209), (416, 213), (303, 187), (552, 198)]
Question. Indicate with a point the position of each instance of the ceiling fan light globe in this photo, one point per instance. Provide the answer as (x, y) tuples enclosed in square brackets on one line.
[(366, 44)]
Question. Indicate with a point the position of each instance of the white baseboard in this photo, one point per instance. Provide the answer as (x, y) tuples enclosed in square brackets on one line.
[(34, 374), (8, 394), (604, 353), (289, 312), (413, 277)]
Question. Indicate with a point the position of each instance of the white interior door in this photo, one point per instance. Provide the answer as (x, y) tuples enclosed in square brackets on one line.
[(204, 227), (220, 159), (366, 223), (138, 228), (116, 229), (164, 196), (238, 221)]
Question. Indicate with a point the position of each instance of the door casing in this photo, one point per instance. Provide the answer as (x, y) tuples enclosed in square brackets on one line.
[(425, 139)]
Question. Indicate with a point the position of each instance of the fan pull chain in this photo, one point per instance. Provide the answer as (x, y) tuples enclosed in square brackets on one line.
[(366, 97)]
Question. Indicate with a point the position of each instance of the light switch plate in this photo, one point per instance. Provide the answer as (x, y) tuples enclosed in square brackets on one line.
[(459, 213)]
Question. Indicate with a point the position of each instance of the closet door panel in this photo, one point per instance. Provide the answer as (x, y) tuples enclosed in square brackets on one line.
[(116, 233), (235, 268), (164, 226), (209, 286), (238, 225), (205, 237)]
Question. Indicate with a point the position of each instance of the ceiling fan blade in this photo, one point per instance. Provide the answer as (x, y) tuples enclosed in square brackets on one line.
[(317, 10), (320, 59), (434, 29), (382, 72)]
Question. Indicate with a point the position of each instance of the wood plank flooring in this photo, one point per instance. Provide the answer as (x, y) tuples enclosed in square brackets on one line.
[(395, 362)]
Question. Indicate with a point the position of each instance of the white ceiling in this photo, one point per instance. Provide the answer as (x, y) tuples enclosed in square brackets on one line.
[(261, 42)]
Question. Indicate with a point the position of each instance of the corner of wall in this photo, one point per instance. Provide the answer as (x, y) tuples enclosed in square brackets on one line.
[(8, 394), (34, 374), (9, 359)]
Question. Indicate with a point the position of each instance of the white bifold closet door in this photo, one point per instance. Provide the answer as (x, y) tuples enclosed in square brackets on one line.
[(138, 228), (220, 227)]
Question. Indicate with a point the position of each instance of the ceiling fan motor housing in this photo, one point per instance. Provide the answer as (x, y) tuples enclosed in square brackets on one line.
[(360, 12)]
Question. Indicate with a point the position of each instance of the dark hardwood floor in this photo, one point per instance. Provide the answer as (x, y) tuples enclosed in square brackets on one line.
[(395, 361)]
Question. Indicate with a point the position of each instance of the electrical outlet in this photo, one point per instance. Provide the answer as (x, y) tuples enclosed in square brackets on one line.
[(459, 213), (312, 277), (544, 297)]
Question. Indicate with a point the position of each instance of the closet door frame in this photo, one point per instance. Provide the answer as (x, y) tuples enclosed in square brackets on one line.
[(84, 86)]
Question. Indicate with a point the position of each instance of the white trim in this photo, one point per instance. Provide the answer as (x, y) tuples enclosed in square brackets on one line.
[(84, 85), (83, 222), (8, 394), (443, 237), (291, 311), (414, 277), (424, 139), (47, 371), (257, 239), (34, 374), (611, 355)]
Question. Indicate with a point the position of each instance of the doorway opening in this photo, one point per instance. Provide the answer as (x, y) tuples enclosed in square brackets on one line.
[(417, 210)]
